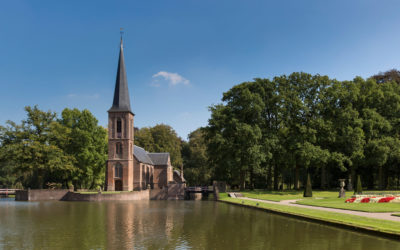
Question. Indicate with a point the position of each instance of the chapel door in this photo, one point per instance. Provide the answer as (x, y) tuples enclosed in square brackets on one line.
[(118, 185)]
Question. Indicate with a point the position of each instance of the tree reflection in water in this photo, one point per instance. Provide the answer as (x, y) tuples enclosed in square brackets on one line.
[(165, 225)]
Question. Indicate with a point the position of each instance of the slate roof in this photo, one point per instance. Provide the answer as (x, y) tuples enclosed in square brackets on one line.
[(121, 100), (159, 158), (141, 155)]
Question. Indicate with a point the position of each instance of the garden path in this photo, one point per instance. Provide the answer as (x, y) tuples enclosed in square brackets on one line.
[(382, 216)]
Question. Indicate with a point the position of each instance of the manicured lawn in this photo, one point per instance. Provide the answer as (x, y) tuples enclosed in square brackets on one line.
[(340, 203), (359, 221), (324, 199), (287, 194)]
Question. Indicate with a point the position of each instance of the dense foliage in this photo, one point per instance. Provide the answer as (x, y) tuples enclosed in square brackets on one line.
[(195, 159), (270, 133), (45, 151), (266, 133), (160, 138)]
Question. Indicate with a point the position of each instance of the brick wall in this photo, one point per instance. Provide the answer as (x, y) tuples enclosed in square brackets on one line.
[(40, 194), (124, 196)]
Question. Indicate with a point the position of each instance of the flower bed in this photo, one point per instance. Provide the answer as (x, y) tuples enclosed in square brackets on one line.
[(373, 199)]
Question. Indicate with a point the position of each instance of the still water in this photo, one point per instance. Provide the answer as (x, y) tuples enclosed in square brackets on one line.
[(166, 225)]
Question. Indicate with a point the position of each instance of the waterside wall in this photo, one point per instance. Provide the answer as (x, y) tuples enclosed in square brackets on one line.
[(40, 194), (124, 196), (172, 192)]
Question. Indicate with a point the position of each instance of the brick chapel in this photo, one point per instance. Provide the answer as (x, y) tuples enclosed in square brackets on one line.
[(130, 167)]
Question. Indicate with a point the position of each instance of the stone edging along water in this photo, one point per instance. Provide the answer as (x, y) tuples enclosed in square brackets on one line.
[(367, 230)]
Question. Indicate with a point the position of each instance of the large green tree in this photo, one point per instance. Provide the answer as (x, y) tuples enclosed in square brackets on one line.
[(195, 159), (79, 135), (30, 150), (161, 138), (44, 150)]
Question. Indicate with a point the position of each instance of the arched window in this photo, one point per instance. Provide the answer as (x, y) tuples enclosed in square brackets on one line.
[(119, 127), (118, 171), (118, 149)]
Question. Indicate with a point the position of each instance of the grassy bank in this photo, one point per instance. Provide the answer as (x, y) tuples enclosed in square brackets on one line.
[(340, 203), (324, 199), (287, 194), (337, 218)]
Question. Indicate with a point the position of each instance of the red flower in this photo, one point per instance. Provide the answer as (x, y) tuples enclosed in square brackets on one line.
[(385, 199), (351, 200), (365, 200)]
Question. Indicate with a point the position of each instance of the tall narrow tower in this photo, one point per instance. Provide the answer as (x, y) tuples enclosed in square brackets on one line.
[(119, 173)]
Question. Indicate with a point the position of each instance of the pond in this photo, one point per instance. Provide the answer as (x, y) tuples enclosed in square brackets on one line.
[(166, 225)]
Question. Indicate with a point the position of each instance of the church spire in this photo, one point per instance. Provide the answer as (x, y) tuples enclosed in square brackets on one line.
[(121, 100)]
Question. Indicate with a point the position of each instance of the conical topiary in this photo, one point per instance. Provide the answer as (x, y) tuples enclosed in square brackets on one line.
[(308, 189), (358, 189)]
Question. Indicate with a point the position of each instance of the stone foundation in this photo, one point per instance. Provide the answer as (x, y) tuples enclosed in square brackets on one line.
[(159, 194), (176, 191), (40, 194), (124, 196), (172, 192)]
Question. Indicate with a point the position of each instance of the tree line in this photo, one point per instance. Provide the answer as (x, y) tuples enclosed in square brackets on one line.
[(47, 151), (269, 133), (266, 133)]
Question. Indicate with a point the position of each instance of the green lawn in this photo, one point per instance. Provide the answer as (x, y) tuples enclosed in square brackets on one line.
[(287, 194), (340, 203), (353, 220), (324, 199)]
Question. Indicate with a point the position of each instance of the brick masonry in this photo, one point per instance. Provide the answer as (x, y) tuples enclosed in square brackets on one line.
[(40, 194)]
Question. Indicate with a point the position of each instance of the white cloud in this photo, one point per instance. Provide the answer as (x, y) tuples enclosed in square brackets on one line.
[(172, 78)]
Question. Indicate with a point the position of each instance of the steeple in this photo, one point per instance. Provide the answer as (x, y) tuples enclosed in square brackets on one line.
[(121, 100)]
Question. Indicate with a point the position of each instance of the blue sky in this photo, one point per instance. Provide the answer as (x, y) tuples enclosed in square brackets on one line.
[(181, 55)]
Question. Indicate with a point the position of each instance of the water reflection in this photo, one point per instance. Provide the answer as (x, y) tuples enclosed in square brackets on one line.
[(165, 225)]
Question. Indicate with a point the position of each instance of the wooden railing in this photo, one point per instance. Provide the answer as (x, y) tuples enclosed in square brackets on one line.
[(7, 191), (199, 189)]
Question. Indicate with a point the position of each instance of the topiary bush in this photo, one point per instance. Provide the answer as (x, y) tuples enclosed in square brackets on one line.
[(358, 189), (308, 189)]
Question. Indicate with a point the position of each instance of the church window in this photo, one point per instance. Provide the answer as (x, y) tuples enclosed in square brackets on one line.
[(119, 128), (118, 170)]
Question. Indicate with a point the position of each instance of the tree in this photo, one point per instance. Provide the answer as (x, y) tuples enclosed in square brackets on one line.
[(161, 138), (195, 160), (234, 135), (387, 76), (29, 148), (144, 139), (79, 135), (301, 95), (46, 150)]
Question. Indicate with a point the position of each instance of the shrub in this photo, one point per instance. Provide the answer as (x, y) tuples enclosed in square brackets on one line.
[(308, 189), (358, 189)]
